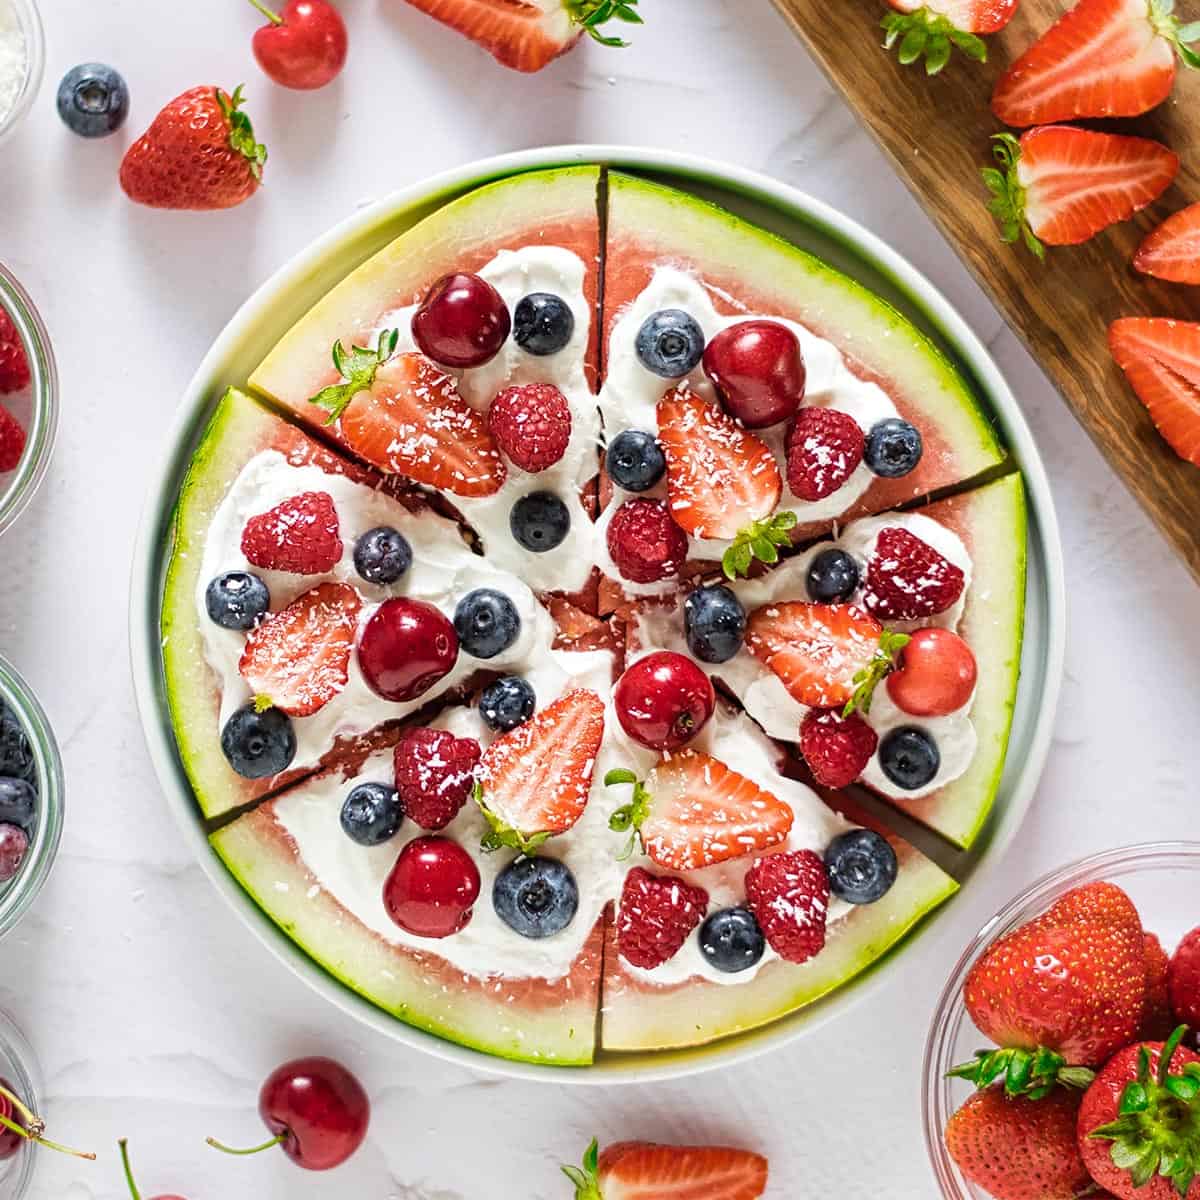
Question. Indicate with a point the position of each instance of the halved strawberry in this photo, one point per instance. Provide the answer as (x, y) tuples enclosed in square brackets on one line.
[(1161, 359), (298, 659), (935, 27), (534, 782), (525, 34), (1172, 251), (646, 1171), (692, 811), (1061, 186), (1103, 58)]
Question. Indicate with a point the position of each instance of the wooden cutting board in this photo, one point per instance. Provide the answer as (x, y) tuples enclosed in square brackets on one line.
[(936, 132)]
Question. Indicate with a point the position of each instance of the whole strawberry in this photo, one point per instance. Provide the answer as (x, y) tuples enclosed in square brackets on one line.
[(1183, 980), (1157, 1021), (199, 153)]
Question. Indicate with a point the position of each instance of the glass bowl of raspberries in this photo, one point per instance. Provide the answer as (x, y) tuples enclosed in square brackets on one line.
[(28, 399), (1063, 1059), (31, 797)]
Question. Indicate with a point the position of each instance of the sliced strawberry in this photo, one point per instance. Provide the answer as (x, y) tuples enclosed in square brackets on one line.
[(1161, 359), (1172, 251), (534, 782), (907, 579), (298, 659), (837, 748), (935, 28), (693, 811), (300, 535), (824, 447), (788, 893), (1103, 58), (819, 651), (1060, 186), (645, 1171)]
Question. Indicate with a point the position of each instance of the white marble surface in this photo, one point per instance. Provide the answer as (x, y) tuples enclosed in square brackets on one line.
[(154, 1012)]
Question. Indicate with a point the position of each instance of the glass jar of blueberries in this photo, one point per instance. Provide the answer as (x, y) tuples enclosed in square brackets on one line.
[(19, 1075), (31, 797)]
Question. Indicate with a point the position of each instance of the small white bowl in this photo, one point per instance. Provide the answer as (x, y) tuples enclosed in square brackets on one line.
[(30, 23)]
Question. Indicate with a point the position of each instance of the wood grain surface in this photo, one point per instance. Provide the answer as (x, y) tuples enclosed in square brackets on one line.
[(936, 132)]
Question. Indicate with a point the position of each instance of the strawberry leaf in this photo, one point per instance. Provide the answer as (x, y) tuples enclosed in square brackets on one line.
[(1033, 1074), (358, 367), (925, 32), (758, 541), (241, 131), (586, 1178), (1007, 203), (592, 14), (869, 678)]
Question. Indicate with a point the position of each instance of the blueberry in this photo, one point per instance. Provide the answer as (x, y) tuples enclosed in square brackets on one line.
[(543, 324), (893, 448), (714, 622), (539, 521), (93, 100), (862, 866), (372, 814), (537, 897), (731, 940), (833, 577), (18, 804), (237, 600), (487, 623), (258, 744), (670, 343), (635, 461), (507, 703), (382, 555), (909, 757), (16, 754)]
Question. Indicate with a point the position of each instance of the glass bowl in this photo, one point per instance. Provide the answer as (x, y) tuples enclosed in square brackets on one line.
[(1162, 879), (19, 892), (18, 1065), (36, 407), (29, 22)]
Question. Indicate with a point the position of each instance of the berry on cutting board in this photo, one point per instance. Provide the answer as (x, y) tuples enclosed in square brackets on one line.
[(12, 441), (123, 1146), (406, 647), (372, 814), (1172, 251), (303, 45), (93, 100), (382, 555), (432, 888), (507, 703), (531, 424), (632, 1170), (714, 623), (836, 748), (543, 324), (199, 153), (635, 461), (862, 866), (664, 700), (788, 893), (487, 623), (644, 541), (933, 29), (824, 448), (435, 775), (907, 579), (258, 744), (670, 343), (462, 322), (935, 674), (536, 897), (758, 370), (14, 362), (300, 535), (731, 940), (656, 916)]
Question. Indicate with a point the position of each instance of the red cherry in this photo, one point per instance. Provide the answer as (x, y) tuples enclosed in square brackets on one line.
[(304, 46), (432, 887), (462, 322), (407, 646), (10, 1140), (14, 843), (664, 700), (758, 370), (935, 674), (133, 1191)]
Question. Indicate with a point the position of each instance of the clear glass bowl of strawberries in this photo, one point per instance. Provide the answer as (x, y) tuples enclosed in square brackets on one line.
[(28, 399), (1062, 1060)]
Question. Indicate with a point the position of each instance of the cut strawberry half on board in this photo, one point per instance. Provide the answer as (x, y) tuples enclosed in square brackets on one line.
[(1060, 186), (692, 811), (935, 29), (526, 35), (298, 659), (1172, 251), (1161, 360), (300, 535), (1103, 58), (534, 782), (646, 1171)]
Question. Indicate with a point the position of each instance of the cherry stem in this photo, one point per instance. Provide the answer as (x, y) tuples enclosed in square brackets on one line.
[(37, 1138), (31, 1118), (275, 1141), (273, 17), (124, 1145)]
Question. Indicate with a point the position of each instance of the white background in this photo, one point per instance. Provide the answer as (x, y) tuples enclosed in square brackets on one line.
[(153, 1010)]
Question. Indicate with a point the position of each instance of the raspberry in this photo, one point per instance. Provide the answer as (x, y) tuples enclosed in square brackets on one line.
[(657, 914), (12, 440), (907, 579), (300, 535), (789, 895), (435, 775), (824, 446), (1183, 979), (14, 366), (836, 748), (532, 425), (645, 542)]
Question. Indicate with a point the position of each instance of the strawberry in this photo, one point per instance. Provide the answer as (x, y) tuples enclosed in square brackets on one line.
[(14, 364), (1172, 251), (299, 535), (527, 36), (1157, 1021), (1183, 980), (1103, 58), (298, 659), (435, 775), (12, 440), (405, 416), (934, 28), (1018, 1148), (836, 748), (1060, 186), (644, 542), (788, 893), (532, 424), (200, 153), (827, 655), (1161, 360), (824, 447), (692, 811), (907, 579), (1139, 1125), (534, 782), (656, 916), (645, 1171)]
